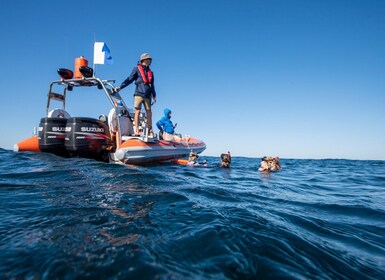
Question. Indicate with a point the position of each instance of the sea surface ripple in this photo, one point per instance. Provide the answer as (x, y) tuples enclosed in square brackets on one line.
[(82, 219)]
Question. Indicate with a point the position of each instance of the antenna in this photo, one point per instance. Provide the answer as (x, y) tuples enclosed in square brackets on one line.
[(93, 56), (65, 48)]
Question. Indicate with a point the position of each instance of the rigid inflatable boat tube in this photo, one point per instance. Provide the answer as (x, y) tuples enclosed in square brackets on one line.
[(30, 144)]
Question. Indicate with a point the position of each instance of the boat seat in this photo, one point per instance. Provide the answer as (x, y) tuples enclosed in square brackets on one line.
[(126, 126), (58, 113)]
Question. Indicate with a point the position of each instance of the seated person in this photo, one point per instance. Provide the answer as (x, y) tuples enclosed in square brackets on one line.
[(166, 127), (225, 160)]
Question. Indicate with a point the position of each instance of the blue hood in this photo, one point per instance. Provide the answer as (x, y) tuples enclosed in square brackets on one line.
[(165, 123), (166, 112)]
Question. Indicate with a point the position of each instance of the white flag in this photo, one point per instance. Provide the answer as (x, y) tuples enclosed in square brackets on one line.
[(102, 54)]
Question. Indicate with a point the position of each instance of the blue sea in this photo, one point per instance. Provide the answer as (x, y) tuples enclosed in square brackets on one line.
[(81, 219)]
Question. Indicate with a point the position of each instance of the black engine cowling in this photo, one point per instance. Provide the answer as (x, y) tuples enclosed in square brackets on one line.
[(89, 138), (51, 135)]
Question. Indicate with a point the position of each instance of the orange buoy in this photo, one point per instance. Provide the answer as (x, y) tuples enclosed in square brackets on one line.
[(30, 144), (79, 61)]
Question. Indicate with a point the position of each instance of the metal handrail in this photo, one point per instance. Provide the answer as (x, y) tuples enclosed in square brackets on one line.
[(105, 85)]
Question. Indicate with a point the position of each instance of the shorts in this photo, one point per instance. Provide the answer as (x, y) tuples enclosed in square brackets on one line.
[(138, 100), (171, 137)]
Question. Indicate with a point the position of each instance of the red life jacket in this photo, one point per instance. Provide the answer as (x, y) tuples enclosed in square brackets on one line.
[(149, 73)]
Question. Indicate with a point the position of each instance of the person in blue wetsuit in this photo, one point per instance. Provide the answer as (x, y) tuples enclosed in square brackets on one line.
[(166, 127)]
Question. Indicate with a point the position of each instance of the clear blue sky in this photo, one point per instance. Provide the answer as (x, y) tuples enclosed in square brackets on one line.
[(297, 79)]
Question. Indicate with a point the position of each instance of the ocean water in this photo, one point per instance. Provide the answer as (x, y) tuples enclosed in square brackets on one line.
[(82, 219)]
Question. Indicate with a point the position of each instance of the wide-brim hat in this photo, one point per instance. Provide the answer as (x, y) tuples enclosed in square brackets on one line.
[(145, 56)]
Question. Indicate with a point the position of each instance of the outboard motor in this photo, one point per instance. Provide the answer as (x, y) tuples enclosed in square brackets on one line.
[(51, 135), (89, 138)]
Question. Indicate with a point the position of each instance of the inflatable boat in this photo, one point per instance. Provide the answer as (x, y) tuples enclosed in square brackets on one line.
[(108, 138)]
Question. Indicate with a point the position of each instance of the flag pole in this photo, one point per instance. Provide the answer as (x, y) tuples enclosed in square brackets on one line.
[(93, 59)]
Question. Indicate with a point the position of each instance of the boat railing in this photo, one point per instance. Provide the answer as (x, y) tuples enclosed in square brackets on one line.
[(69, 84), (113, 96)]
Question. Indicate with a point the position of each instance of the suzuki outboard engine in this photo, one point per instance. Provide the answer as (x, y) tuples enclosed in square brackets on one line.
[(51, 135), (89, 138)]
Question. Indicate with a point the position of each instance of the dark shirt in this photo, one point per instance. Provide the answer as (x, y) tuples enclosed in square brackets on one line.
[(142, 89)]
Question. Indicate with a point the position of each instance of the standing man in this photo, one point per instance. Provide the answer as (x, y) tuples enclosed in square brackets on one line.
[(144, 91)]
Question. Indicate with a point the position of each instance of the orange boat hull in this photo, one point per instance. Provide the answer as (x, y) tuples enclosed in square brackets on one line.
[(135, 151)]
